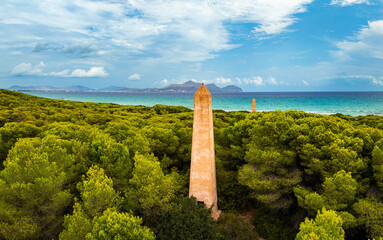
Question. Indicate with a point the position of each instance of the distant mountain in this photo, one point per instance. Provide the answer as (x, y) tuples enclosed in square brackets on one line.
[(187, 87), (192, 87), (232, 88), (77, 88), (28, 88), (111, 88)]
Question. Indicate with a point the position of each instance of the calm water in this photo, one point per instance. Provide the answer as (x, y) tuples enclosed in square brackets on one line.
[(350, 103)]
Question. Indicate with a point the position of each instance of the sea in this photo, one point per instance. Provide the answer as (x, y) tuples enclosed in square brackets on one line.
[(347, 103)]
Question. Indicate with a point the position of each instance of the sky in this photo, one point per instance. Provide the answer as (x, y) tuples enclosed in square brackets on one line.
[(258, 45)]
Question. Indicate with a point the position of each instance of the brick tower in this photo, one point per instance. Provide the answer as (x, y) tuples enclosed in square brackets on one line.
[(202, 170)]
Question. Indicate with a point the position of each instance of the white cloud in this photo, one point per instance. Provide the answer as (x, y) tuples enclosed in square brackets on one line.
[(135, 76), (273, 17), (257, 80), (374, 80), (344, 3), (284, 83), (305, 83), (81, 48), (377, 82), (366, 44), (27, 69), (272, 81), (64, 73), (165, 81), (92, 72), (223, 80), (172, 30)]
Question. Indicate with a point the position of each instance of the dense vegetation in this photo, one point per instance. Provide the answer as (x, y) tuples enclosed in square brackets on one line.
[(73, 170)]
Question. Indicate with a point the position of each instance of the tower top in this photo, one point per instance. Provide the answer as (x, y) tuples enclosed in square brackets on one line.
[(202, 91)]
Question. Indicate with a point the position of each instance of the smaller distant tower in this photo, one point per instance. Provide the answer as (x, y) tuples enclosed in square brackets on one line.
[(253, 109)]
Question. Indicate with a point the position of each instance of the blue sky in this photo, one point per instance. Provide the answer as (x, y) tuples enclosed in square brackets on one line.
[(259, 45)]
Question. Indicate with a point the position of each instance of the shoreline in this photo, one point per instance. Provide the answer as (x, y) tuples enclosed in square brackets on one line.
[(345, 103)]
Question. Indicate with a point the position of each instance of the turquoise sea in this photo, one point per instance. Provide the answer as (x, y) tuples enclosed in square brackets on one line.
[(350, 103)]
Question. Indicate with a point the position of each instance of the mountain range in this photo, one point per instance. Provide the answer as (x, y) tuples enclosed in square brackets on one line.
[(77, 88), (187, 87)]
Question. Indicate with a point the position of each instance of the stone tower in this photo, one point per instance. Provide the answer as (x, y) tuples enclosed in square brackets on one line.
[(202, 170), (253, 109)]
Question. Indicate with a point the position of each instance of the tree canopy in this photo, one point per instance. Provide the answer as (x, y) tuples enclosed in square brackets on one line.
[(71, 169)]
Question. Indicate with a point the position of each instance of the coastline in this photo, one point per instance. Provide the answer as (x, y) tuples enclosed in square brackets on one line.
[(328, 103)]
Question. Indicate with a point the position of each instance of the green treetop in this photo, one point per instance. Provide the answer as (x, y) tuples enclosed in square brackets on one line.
[(326, 226)]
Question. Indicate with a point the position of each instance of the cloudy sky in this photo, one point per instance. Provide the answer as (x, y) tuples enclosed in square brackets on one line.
[(259, 45)]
